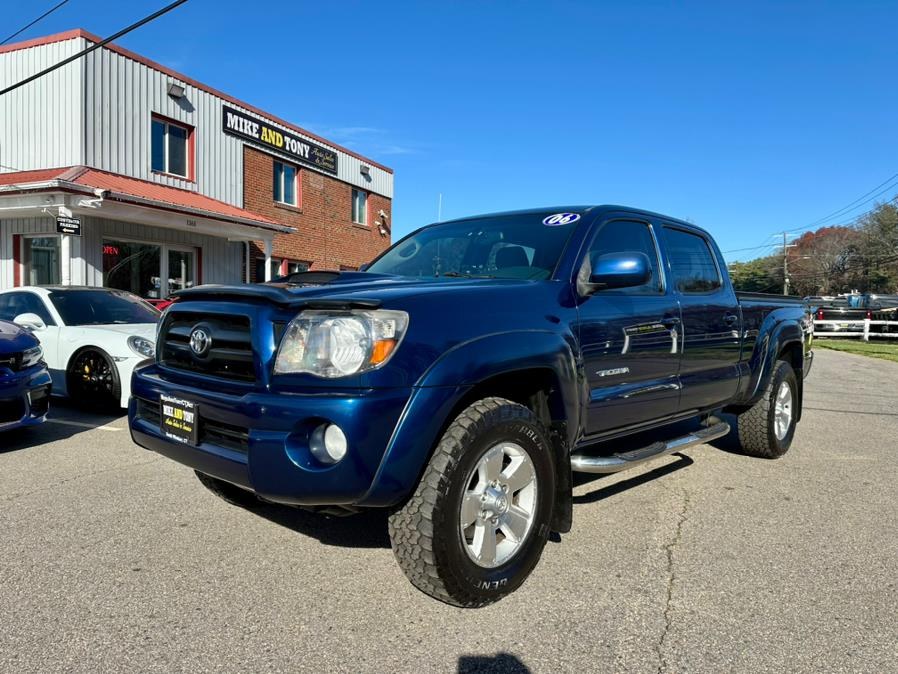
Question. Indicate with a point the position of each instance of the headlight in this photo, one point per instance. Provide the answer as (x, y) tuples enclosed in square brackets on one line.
[(142, 346), (32, 356), (340, 343)]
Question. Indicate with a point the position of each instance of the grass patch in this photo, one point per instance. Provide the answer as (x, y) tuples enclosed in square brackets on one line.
[(874, 349)]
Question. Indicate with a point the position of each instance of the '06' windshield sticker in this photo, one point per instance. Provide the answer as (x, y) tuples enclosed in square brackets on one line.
[(560, 219)]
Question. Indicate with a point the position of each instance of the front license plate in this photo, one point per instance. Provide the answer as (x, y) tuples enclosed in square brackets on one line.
[(180, 419)]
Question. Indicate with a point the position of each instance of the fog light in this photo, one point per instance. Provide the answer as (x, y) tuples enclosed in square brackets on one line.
[(328, 443)]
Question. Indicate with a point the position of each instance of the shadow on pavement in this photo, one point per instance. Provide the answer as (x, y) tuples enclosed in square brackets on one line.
[(601, 493), (503, 663), (64, 421), (367, 529)]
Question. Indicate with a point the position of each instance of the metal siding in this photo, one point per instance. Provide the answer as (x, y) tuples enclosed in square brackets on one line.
[(40, 123), (222, 259), (123, 94)]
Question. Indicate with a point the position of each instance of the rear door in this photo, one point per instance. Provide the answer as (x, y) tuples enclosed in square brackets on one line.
[(709, 368), (629, 336)]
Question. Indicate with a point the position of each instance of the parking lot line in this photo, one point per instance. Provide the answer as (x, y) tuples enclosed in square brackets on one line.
[(81, 424)]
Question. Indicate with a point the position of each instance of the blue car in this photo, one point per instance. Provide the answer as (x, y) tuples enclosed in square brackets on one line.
[(24, 379)]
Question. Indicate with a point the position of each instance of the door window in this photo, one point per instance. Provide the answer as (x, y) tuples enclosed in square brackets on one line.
[(691, 262), (628, 236), (181, 269), (41, 260)]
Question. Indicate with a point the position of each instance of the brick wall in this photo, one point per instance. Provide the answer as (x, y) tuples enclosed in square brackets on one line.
[(326, 236)]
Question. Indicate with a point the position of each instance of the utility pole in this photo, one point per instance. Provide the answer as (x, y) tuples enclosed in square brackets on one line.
[(786, 247)]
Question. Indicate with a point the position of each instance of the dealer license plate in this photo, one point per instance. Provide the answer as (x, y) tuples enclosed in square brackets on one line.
[(180, 419)]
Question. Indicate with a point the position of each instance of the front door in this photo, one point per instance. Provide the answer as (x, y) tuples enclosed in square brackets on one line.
[(629, 337)]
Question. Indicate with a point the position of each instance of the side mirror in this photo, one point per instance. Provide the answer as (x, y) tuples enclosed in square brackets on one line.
[(363, 267), (30, 322), (620, 270)]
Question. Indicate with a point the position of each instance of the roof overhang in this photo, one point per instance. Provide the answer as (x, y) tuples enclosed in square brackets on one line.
[(31, 199)]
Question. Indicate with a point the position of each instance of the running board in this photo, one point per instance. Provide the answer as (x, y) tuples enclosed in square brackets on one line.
[(581, 463)]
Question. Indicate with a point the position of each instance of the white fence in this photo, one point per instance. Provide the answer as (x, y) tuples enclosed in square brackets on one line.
[(845, 328)]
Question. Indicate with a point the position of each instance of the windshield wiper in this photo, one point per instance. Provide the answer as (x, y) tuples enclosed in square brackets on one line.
[(458, 274)]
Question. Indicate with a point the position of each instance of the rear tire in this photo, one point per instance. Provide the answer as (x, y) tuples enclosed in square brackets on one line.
[(477, 523), (766, 429), (228, 492)]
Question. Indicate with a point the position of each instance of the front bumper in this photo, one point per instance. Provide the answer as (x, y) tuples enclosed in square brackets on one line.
[(24, 397), (259, 440)]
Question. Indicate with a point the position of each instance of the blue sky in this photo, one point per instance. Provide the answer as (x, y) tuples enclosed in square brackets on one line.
[(746, 118)]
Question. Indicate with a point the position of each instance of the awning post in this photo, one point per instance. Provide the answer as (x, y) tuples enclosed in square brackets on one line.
[(268, 249)]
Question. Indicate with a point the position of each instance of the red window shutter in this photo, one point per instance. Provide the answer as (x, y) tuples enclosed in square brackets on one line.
[(16, 260)]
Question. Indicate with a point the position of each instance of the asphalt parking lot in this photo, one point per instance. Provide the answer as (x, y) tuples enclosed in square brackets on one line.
[(112, 559)]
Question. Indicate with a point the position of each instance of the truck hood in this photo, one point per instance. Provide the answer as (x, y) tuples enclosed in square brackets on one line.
[(355, 289)]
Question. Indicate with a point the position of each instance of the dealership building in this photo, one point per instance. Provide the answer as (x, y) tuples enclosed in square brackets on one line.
[(116, 171)]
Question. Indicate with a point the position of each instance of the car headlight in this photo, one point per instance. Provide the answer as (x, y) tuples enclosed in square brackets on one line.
[(142, 346), (335, 344), (32, 356)]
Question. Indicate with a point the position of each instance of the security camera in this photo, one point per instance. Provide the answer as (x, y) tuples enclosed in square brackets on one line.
[(101, 193), (383, 214)]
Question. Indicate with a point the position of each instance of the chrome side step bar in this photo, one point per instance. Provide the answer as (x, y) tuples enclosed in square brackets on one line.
[(581, 463)]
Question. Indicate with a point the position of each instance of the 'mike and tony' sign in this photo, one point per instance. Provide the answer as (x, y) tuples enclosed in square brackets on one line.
[(259, 131)]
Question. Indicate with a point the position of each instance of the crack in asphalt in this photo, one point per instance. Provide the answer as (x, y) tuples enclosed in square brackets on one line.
[(671, 578), (9, 498)]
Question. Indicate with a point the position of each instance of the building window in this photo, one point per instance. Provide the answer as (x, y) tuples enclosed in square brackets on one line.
[(171, 147), (151, 271), (360, 207), (279, 268), (285, 191), (134, 267), (40, 260), (260, 269)]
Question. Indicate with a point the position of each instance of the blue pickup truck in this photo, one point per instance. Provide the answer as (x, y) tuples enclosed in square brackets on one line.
[(24, 379), (462, 377)]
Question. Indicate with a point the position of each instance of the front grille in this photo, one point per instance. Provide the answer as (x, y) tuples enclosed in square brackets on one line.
[(12, 361), (215, 433), (230, 354), (11, 410)]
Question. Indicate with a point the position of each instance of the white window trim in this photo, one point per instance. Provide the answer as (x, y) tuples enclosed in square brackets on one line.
[(166, 170), (295, 168), (21, 256), (364, 211)]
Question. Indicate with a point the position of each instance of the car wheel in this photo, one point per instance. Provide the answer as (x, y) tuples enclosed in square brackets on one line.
[(478, 521), (767, 428), (92, 379), (228, 492)]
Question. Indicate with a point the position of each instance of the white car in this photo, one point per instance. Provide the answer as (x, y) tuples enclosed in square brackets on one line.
[(92, 337)]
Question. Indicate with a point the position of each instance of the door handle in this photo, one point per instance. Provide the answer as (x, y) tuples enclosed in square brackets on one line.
[(730, 319), (670, 322)]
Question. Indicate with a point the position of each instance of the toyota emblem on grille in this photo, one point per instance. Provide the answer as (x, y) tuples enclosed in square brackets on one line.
[(200, 341)]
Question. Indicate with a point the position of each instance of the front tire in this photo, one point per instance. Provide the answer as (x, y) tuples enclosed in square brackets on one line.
[(767, 428), (477, 523), (92, 380)]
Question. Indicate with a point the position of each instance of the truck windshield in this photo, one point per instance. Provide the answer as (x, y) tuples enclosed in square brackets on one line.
[(508, 247), (101, 307)]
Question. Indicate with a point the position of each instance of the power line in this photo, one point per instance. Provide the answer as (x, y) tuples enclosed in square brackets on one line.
[(836, 212), (109, 39), (45, 14)]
